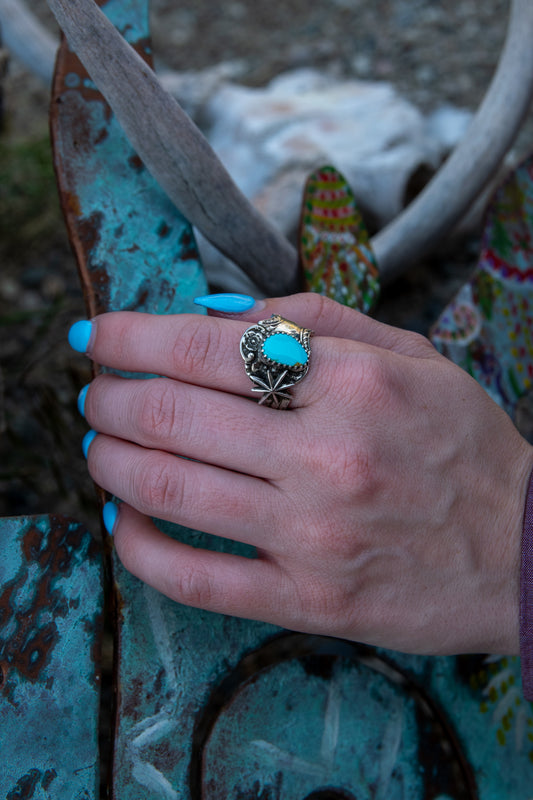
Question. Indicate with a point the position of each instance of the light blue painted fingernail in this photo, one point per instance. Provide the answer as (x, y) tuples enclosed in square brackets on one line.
[(79, 335), (110, 514), (87, 441), (81, 399), (226, 303)]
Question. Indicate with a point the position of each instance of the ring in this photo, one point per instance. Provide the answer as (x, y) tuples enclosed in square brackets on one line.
[(276, 355)]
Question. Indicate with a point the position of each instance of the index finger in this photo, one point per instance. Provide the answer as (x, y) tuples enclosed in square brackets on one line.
[(204, 351), (187, 347)]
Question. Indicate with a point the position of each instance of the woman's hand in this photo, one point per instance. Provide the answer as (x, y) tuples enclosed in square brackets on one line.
[(386, 505)]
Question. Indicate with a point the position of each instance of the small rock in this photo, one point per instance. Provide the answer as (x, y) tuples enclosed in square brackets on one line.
[(31, 301), (53, 286), (10, 289)]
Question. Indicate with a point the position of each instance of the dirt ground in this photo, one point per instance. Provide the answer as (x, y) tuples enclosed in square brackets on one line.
[(434, 52)]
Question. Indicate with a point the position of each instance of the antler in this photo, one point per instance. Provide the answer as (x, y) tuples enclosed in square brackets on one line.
[(174, 150), (27, 38), (185, 166), (474, 161)]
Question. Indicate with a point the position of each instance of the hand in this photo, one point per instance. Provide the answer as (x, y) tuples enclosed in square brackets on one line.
[(386, 505)]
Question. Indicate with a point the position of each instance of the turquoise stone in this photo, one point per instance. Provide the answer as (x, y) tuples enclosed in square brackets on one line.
[(285, 350)]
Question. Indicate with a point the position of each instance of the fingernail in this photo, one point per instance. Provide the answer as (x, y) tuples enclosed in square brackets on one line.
[(81, 399), (87, 441), (110, 514), (226, 303), (79, 335)]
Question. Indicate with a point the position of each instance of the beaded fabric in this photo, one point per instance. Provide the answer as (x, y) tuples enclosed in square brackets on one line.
[(488, 328), (526, 597), (335, 252), (488, 331)]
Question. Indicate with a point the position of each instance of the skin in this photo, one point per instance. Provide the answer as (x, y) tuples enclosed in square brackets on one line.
[(386, 505)]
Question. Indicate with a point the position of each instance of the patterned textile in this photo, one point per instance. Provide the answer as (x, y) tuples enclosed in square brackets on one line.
[(335, 251), (488, 330), (488, 327), (526, 597)]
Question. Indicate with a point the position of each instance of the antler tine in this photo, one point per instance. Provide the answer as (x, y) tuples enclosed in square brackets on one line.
[(27, 38), (474, 161), (174, 150)]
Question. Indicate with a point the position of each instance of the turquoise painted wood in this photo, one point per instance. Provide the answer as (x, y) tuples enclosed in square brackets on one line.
[(130, 242), (216, 708), (51, 607)]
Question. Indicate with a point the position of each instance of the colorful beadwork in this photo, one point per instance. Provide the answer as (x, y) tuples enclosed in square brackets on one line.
[(488, 327), (335, 251)]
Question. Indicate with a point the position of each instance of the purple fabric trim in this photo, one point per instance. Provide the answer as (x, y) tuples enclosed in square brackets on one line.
[(526, 596)]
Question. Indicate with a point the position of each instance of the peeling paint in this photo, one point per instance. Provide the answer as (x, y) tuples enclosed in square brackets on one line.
[(51, 608), (134, 248)]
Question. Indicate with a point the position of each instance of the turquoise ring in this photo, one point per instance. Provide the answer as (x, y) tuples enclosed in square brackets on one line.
[(276, 355)]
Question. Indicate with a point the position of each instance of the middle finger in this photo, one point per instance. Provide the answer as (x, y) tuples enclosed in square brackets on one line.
[(209, 426)]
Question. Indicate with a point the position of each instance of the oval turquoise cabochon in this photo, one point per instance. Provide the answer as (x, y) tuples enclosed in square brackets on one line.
[(285, 350)]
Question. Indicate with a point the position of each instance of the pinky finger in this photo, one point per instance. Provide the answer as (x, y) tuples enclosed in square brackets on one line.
[(214, 581)]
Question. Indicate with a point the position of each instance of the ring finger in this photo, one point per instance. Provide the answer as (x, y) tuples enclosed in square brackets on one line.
[(198, 350)]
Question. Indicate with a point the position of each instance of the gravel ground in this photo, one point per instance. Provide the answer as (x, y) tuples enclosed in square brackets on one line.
[(434, 52)]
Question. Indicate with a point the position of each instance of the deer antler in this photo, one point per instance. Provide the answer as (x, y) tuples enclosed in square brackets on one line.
[(27, 38), (174, 150), (474, 161), (185, 166)]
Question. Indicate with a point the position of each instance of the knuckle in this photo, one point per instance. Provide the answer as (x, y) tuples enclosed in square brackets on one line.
[(367, 382), (324, 602), (352, 470), (157, 485), (420, 345), (194, 348), (332, 541), (326, 313), (324, 308), (373, 376), (345, 462), (193, 587), (157, 414)]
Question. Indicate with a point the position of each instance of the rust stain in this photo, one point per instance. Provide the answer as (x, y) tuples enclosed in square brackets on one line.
[(28, 783), (136, 163), (29, 647), (25, 787), (72, 203), (188, 248), (164, 230), (167, 290), (88, 230), (101, 136)]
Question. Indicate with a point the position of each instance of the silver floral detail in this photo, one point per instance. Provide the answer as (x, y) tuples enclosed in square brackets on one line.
[(271, 378)]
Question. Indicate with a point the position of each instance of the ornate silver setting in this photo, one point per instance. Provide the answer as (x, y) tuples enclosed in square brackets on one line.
[(271, 377)]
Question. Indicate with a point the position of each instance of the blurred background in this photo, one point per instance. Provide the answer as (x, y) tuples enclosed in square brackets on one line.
[(434, 52)]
